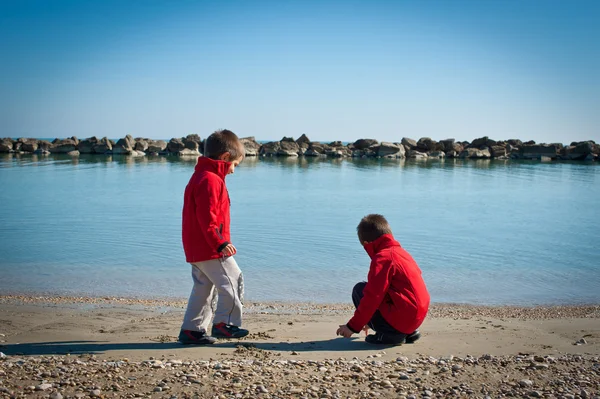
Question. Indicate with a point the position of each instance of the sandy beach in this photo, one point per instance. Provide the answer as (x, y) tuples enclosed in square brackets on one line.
[(62, 347)]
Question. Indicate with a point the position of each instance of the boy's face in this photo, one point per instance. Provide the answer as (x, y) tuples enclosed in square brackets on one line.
[(233, 165), (227, 158)]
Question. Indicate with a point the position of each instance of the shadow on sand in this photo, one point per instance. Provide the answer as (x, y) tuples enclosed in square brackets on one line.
[(96, 347)]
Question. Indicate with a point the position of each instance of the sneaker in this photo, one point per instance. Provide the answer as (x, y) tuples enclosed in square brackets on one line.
[(411, 338), (222, 330), (385, 339), (187, 337)]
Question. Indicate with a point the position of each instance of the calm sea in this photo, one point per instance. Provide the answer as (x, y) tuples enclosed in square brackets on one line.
[(489, 232)]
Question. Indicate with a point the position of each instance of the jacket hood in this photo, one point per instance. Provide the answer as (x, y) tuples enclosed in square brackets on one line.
[(383, 242), (220, 168)]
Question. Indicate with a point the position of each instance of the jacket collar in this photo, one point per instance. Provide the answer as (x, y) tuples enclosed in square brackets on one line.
[(220, 168), (383, 242)]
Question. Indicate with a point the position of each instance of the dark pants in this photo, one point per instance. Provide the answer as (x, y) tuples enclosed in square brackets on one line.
[(377, 323)]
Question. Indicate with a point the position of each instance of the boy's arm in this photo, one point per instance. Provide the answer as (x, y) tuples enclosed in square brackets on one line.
[(206, 197), (377, 285)]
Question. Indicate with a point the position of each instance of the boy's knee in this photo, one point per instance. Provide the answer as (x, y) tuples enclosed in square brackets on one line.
[(358, 288)]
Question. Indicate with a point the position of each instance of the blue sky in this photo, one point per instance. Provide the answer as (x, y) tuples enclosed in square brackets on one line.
[(343, 70)]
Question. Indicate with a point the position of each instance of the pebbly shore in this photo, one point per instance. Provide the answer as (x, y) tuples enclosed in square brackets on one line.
[(407, 148)]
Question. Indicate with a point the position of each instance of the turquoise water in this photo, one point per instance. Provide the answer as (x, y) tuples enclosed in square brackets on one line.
[(490, 232)]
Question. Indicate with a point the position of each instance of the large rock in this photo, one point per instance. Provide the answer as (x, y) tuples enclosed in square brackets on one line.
[(156, 146), (6, 145), (86, 146), (409, 144), (175, 145), (187, 152), (29, 145), (482, 142), (579, 151), (63, 146), (515, 142), (102, 146), (390, 150), (437, 154), (448, 145), (44, 146), (251, 146), (270, 149), (415, 154), (498, 151), (362, 144), (303, 142), (288, 148), (141, 144), (538, 151), (475, 153), (316, 149), (124, 146), (192, 142), (425, 144)]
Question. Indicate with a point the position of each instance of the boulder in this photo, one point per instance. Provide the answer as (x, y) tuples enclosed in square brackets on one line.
[(451, 154), (141, 144), (186, 152), (102, 146), (533, 151), (389, 149), (6, 145), (425, 144), (414, 154), (44, 146), (458, 147), (192, 142), (270, 149), (579, 151), (251, 146), (437, 154), (448, 144), (288, 148), (29, 145), (303, 142), (498, 151), (87, 146), (361, 144), (156, 146), (288, 139), (175, 145), (124, 146), (409, 144), (63, 146), (475, 153), (317, 149), (515, 142), (482, 142), (74, 153)]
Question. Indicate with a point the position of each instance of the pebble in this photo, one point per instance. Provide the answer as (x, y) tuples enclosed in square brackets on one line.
[(56, 395), (2, 355), (43, 387), (535, 394), (526, 383), (96, 393), (403, 376), (262, 389), (581, 341)]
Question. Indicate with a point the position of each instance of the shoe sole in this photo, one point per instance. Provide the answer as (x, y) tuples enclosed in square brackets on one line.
[(413, 337), (196, 343), (231, 337)]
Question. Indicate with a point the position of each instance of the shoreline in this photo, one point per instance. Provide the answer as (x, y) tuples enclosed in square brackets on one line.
[(436, 310)]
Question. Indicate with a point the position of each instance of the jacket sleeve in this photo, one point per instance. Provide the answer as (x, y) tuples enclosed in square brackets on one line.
[(377, 285), (207, 197)]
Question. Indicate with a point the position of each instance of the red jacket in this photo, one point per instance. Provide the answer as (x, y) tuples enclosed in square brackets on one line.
[(394, 286), (205, 226)]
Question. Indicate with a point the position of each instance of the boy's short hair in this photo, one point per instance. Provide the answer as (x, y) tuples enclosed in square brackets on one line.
[(223, 141), (371, 227)]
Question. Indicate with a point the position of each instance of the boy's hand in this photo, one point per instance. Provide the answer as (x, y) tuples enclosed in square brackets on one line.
[(344, 331), (229, 250), (365, 329)]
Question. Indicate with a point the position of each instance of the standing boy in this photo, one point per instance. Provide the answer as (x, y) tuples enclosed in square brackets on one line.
[(207, 245), (394, 301)]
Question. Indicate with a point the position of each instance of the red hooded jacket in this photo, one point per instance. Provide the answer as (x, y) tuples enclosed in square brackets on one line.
[(394, 287), (205, 216)]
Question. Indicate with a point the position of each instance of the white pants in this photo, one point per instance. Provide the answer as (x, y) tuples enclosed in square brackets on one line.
[(226, 277)]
